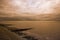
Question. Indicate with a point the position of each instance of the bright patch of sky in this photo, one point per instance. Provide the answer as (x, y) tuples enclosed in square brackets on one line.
[(36, 6)]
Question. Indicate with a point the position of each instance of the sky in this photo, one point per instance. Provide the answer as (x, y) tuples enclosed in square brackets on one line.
[(37, 6), (13, 8)]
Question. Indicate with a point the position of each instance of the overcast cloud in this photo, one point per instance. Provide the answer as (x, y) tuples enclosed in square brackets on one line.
[(30, 9)]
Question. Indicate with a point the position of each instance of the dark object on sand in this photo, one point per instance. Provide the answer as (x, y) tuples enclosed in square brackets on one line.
[(25, 29), (5, 25), (13, 29)]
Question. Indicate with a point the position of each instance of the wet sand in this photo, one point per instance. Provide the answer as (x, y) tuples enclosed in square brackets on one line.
[(42, 28)]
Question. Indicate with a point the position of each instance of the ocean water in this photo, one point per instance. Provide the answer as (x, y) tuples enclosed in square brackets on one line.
[(47, 30)]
